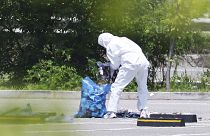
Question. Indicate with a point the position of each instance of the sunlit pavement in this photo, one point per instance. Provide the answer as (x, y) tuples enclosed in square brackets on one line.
[(106, 127)]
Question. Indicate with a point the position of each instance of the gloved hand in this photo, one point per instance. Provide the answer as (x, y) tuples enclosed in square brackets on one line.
[(100, 64), (104, 70)]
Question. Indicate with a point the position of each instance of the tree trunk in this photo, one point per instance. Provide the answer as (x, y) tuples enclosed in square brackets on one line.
[(169, 62)]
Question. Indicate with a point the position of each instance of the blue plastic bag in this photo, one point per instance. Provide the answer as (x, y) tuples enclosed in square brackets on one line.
[(93, 99)]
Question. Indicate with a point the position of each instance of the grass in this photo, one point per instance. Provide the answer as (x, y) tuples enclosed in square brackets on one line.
[(8, 85), (5, 84), (186, 90)]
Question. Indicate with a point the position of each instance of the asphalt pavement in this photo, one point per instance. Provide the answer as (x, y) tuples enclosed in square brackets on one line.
[(106, 127)]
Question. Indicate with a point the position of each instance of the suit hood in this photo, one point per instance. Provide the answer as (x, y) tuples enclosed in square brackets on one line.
[(104, 39)]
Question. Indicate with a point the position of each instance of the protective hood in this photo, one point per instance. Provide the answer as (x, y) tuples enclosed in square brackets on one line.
[(104, 39)]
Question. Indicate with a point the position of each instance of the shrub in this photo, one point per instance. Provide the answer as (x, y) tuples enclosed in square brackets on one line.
[(205, 80), (184, 82), (47, 75)]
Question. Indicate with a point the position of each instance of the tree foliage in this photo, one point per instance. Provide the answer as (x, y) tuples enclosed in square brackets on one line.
[(59, 30), (66, 31)]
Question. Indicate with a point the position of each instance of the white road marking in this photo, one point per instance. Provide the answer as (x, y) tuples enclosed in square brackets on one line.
[(171, 102), (83, 130), (118, 129), (200, 134)]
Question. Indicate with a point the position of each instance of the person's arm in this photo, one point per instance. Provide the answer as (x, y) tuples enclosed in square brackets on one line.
[(113, 56)]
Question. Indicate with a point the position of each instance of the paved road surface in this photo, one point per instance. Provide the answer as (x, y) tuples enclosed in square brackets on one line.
[(107, 127)]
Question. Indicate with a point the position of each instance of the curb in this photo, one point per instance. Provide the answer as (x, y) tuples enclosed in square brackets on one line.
[(48, 94)]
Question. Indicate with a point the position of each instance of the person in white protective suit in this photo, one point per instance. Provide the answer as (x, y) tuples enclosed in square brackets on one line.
[(126, 55)]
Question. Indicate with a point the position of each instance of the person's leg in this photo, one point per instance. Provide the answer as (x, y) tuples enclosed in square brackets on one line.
[(141, 79), (124, 77)]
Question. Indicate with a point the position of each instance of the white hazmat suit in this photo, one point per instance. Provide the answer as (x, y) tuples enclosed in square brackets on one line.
[(124, 53)]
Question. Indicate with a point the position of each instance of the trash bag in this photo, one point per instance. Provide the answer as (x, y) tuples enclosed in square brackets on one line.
[(93, 99)]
